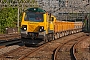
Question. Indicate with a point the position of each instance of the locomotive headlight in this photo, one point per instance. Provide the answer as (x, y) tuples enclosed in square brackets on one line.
[(24, 27), (41, 28)]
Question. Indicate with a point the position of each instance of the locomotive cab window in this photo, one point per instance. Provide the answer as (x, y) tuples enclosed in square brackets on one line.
[(52, 19), (33, 17)]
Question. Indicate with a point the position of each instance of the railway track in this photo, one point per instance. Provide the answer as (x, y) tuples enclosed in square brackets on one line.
[(19, 53), (2, 47), (47, 52), (81, 50), (65, 51), (5, 43), (43, 52), (9, 43), (7, 39), (6, 49)]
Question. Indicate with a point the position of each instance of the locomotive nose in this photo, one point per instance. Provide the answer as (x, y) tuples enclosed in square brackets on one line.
[(33, 27)]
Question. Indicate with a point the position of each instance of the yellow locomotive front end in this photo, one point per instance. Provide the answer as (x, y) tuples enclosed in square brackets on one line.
[(34, 24)]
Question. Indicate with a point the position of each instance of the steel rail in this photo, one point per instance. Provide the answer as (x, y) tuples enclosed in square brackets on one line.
[(56, 51), (75, 45)]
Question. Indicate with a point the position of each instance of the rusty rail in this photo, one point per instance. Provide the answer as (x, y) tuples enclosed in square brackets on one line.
[(27, 52), (75, 46), (70, 44), (20, 53), (2, 47), (10, 36), (45, 53)]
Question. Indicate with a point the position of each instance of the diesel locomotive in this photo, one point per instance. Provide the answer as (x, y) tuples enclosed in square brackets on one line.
[(37, 23)]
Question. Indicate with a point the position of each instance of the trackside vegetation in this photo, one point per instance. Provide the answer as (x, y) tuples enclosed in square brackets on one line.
[(8, 18)]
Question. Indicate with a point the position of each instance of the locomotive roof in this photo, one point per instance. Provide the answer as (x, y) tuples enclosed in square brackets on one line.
[(36, 10)]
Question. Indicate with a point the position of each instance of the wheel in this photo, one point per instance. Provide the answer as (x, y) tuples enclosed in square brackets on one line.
[(53, 37), (45, 39), (58, 35), (22, 39)]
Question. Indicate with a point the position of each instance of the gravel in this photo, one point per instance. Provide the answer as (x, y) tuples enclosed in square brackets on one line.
[(7, 49)]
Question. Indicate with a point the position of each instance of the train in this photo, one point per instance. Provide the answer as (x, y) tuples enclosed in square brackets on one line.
[(38, 24)]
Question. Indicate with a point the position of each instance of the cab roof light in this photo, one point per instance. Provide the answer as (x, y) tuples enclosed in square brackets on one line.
[(36, 10)]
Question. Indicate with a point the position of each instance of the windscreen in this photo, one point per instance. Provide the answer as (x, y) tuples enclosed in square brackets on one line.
[(33, 17)]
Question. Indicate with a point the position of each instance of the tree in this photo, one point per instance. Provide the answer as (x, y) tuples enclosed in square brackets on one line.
[(7, 18)]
